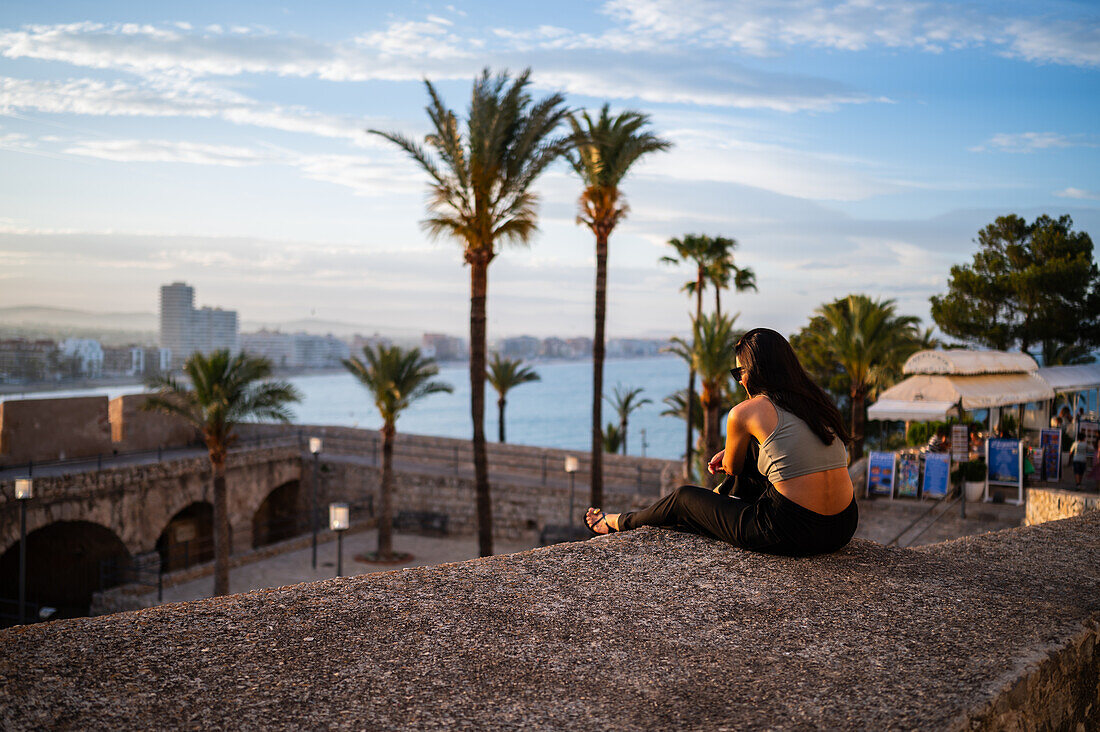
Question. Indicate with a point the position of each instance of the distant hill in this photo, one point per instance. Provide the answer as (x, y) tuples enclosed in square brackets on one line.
[(62, 317), (41, 321)]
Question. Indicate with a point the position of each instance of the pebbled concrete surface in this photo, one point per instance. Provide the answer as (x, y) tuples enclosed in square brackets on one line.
[(650, 629)]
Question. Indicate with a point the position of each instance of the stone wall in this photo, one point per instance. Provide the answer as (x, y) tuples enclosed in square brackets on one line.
[(53, 429), (522, 509), (133, 429), (443, 453), (136, 502), (643, 630), (1052, 504)]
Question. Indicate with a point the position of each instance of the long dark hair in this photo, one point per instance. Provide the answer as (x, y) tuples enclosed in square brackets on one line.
[(771, 368)]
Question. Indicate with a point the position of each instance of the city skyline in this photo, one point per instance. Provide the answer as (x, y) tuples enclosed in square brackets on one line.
[(849, 147)]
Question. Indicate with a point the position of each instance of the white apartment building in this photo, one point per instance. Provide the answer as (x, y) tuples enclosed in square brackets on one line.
[(87, 353), (184, 330), (296, 350)]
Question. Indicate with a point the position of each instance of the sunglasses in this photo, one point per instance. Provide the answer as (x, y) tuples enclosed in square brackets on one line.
[(736, 372)]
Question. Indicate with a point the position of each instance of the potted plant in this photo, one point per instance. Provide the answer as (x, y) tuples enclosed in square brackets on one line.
[(972, 477)]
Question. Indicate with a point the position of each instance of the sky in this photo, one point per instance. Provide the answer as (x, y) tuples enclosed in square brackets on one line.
[(849, 147)]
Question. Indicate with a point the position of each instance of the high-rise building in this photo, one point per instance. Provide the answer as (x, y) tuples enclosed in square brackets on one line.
[(184, 330)]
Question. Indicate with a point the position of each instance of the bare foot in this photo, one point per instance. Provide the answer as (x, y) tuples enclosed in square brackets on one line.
[(600, 522)]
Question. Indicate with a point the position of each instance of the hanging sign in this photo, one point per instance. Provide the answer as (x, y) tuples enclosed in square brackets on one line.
[(880, 474), (937, 475), (1051, 443), (908, 475), (960, 443)]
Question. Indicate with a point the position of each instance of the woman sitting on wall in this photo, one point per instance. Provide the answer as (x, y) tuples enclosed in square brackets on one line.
[(807, 504)]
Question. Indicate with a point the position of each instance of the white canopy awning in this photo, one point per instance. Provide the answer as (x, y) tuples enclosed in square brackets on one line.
[(963, 362), (915, 411), (975, 392), (1072, 378)]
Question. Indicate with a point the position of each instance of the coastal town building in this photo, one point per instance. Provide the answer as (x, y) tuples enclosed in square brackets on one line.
[(185, 329), (296, 350), (24, 359), (82, 356), (443, 347)]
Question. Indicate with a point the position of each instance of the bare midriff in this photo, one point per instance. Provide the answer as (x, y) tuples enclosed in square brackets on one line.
[(828, 492)]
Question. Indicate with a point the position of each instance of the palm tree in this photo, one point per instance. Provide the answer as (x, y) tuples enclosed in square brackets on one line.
[(710, 353), (481, 195), (624, 402), (866, 342), (613, 438), (503, 374), (395, 378), (704, 252), (605, 150), (723, 272), (225, 390)]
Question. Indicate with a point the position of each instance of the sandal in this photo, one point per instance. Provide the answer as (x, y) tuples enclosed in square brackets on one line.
[(602, 519)]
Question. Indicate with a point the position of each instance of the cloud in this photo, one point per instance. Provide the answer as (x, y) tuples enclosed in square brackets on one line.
[(683, 81), (1026, 142), (93, 97), (364, 175), (769, 27), (1079, 194), (170, 51), (166, 151)]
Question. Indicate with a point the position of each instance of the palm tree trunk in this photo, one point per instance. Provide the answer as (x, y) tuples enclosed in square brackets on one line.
[(479, 285), (718, 301), (385, 514), (500, 411), (691, 376), (858, 424), (622, 431), (597, 370), (221, 523)]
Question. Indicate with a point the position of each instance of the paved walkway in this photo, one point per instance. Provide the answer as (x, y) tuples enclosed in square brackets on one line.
[(295, 566)]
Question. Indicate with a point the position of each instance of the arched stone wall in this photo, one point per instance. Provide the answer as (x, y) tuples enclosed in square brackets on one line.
[(279, 516), (137, 502), (63, 565), (188, 537)]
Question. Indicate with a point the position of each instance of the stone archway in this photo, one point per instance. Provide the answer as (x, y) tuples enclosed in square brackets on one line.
[(280, 516), (67, 561), (188, 538)]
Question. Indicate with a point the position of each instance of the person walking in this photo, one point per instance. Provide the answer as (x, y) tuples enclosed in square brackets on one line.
[(1080, 451)]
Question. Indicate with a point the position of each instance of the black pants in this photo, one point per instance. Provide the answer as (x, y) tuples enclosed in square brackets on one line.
[(766, 522)]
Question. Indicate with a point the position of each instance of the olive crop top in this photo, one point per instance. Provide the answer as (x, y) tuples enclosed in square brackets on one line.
[(793, 449)]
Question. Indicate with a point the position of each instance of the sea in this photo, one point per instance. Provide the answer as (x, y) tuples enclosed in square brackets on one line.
[(553, 412)]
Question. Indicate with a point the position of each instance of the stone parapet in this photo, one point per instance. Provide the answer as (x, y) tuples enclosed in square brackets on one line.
[(1052, 504), (649, 629)]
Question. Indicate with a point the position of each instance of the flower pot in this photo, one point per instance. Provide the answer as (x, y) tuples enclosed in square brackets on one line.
[(975, 490)]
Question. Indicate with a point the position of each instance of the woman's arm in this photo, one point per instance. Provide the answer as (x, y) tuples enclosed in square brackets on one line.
[(737, 436)]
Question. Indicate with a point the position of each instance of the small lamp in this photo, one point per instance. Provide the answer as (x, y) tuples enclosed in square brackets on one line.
[(24, 488), (339, 520), (315, 445), (571, 464), (339, 517)]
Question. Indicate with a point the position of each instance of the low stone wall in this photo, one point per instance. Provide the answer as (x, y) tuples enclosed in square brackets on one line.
[(445, 453), (53, 429), (522, 509), (1051, 504), (648, 629), (134, 429)]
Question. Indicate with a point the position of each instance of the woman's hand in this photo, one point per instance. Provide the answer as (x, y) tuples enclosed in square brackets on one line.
[(715, 463)]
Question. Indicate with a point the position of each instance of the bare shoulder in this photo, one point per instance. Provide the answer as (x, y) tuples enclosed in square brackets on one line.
[(753, 412)]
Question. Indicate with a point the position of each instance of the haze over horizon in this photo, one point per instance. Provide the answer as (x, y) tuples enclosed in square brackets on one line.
[(848, 147)]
